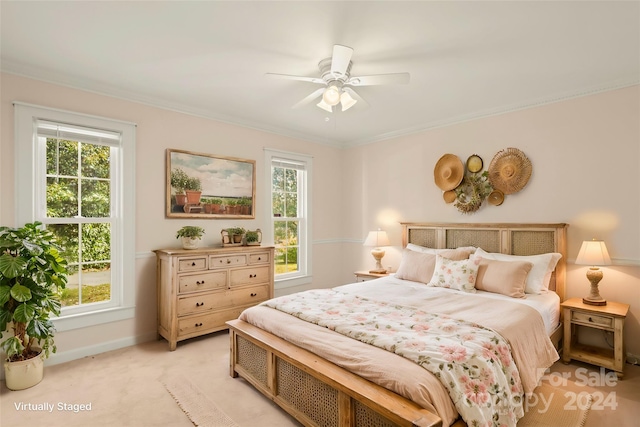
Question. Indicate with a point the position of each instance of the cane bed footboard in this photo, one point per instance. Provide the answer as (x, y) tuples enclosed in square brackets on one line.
[(314, 391)]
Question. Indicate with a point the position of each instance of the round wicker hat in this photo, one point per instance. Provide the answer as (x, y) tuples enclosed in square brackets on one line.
[(448, 172), (509, 170)]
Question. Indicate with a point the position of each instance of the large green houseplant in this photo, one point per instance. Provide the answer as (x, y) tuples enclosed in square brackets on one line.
[(32, 274)]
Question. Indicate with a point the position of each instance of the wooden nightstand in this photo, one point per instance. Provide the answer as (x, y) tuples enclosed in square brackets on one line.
[(608, 317), (363, 276)]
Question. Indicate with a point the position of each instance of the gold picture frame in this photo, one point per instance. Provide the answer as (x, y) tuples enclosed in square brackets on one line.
[(206, 186)]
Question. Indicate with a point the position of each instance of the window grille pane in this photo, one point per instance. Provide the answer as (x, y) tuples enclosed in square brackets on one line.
[(95, 161), (62, 157), (278, 179), (96, 243), (62, 197), (291, 182), (67, 236), (95, 199), (291, 203)]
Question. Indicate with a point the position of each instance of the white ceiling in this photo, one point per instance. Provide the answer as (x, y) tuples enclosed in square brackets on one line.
[(466, 59)]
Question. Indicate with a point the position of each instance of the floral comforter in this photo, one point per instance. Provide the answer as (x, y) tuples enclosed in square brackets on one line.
[(474, 363)]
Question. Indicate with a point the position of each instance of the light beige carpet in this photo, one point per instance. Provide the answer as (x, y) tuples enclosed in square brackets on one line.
[(201, 411), (552, 407)]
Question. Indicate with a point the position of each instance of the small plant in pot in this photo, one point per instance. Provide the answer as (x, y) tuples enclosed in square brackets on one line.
[(253, 238), (236, 233), (32, 274), (191, 236)]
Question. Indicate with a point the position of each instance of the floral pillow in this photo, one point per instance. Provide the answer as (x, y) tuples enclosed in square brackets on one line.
[(460, 275)]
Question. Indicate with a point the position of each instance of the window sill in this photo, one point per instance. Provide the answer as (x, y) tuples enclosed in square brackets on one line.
[(292, 282), (83, 320)]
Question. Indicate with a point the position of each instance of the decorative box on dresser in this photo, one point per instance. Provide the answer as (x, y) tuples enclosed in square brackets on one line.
[(200, 289)]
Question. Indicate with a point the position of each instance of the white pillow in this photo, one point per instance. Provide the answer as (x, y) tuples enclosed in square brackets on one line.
[(460, 275), (540, 274)]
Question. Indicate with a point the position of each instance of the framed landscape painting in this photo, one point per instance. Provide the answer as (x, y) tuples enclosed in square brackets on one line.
[(207, 186)]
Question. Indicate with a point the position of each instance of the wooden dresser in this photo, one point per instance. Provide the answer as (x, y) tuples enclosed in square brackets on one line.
[(200, 289)]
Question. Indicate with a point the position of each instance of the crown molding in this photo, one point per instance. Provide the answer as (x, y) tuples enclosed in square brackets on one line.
[(86, 85)]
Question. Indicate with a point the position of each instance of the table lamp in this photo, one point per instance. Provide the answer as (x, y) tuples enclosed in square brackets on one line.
[(594, 253), (377, 239)]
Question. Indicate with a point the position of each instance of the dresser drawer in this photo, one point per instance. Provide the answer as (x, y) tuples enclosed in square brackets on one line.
[(192, 264), (202, 282), (249, 276), (197, 325), (250, 296), (226, 261), (202, 302), (259, 258), (592, 319)]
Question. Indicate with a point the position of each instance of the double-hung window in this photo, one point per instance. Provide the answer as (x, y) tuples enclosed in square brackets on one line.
[(290, 182), (75, 175)]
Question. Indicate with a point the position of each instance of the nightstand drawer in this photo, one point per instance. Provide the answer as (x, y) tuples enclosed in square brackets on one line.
[(592, 319)]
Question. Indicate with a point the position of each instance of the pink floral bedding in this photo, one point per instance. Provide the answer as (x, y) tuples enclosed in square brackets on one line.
[(474, 363)]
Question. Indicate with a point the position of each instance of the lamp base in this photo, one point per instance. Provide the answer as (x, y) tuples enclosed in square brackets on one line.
[(594, 274), (377, 255), (586, 300)]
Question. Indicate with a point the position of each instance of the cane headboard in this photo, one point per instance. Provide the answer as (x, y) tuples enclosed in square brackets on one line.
[(513, 239)]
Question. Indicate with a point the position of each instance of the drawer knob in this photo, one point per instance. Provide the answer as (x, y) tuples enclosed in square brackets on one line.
[(253, 294), (228, 261), (251, 276), (198, 325), (259, 258), (590, 319), (199, 304), (193, 264), (199, 283)]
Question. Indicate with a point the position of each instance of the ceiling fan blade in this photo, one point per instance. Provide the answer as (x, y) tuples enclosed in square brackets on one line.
[(309, 98), (340, 59), (289, 77), (355, 96), (379, 79)]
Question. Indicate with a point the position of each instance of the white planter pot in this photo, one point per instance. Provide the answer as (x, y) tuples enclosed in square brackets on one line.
[(190, 243), (24, 374)]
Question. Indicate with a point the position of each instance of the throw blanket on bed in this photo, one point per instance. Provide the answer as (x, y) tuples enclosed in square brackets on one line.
[(474, 363)]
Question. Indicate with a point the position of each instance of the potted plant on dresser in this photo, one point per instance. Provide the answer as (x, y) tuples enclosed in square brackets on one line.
[(32, 274), (191, 236)]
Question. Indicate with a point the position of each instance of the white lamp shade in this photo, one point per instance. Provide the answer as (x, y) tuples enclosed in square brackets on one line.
[(325, 106), (377, 239), (593, 252), (347, 101)]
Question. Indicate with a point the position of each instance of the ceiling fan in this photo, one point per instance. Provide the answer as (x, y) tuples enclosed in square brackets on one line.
[(336, 78)]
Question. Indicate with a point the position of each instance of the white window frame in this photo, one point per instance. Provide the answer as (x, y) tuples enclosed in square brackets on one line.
[(29, 188), (304, 275)]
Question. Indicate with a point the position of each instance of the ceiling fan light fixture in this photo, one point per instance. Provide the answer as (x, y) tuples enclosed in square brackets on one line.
[(325, 106), (347, 101), (331, 95)]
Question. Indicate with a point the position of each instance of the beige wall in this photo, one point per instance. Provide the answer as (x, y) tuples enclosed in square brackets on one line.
[(157, 130), (585, 154)]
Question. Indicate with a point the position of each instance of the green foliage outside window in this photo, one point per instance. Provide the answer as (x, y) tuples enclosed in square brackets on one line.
[(79, 185)]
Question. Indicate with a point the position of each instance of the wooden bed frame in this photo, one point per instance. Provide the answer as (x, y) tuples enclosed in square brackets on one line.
[(319, 393)]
